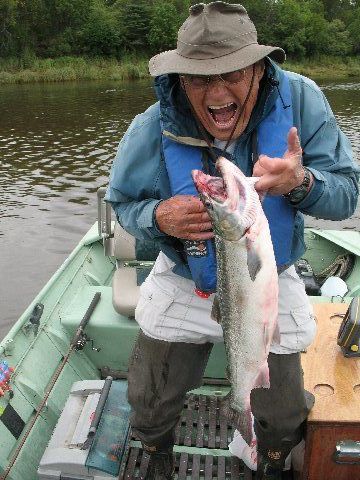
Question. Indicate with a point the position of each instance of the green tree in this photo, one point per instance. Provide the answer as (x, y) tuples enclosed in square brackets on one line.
[(101, 34), (263, 14), (339, 39), (66, 20), (289, 27), (135, 24), (164, 25), (316, 28), (7, 26), (336, 8), (354, 30)]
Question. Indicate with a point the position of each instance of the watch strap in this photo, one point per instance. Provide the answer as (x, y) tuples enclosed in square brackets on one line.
[(298, 193)]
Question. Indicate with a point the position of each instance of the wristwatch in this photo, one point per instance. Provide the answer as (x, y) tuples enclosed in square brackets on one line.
[(299, 193)]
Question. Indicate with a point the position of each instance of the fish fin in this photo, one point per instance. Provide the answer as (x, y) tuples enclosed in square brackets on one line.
[(276, 335), (241, 420), (253, 181), (215, 311), (262, 196), (263, 378), (253, 260)]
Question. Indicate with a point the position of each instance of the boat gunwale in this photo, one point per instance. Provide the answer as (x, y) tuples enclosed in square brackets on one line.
[(89, 238)]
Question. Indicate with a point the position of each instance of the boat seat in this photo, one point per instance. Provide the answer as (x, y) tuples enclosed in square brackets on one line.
[(134, 260)]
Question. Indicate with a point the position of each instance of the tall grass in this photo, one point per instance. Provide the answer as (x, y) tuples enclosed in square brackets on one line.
[(28, 68), (326, 67), (18, 70)]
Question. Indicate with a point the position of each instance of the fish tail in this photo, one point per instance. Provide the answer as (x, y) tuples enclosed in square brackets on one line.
[(241, 420)]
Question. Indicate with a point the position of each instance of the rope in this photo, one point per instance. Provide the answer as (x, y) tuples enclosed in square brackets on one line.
[(340, 267)]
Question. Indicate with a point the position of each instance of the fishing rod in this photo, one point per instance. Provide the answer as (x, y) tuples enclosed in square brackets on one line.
[(77, 343)]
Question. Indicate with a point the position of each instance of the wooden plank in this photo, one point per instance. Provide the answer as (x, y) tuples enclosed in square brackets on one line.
[(332, 378), (235, 468), (195, 474), (131, 464), (212, 422), (144, 466), (188, 428), (183, 465), (209, 460), (221, 468), (201, 421), (247, 473), (223, 433)]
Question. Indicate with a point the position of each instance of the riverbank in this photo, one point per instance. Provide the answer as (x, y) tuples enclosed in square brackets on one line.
[(62, 69), (30, 70)]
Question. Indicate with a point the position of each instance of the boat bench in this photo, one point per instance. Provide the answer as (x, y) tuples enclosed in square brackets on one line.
[(115, 334), (134, 260), (112, 333)]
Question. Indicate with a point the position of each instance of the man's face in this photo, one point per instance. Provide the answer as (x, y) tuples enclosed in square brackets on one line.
[(219, 103)]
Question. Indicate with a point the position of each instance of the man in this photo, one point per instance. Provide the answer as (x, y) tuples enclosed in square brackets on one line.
[(220, 93)]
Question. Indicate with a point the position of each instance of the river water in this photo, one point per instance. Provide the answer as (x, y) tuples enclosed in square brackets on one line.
[(57, 142)]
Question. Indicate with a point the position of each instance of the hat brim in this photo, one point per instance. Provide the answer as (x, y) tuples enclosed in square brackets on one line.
[(172, 62)]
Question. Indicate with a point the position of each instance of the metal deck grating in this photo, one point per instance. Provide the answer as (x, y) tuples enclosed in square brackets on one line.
[(199, 428)]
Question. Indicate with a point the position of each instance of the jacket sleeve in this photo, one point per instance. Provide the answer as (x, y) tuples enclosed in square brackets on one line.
[(134, 176), (327, 154)]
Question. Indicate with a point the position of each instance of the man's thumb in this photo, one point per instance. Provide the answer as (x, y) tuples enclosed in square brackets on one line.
[(294, 147)]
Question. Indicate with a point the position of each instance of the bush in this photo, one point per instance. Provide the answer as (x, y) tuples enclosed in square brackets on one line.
[(164, 25), (101, 34)]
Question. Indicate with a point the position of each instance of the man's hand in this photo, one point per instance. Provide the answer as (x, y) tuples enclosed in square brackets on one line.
[(279, 176), (184, 216)]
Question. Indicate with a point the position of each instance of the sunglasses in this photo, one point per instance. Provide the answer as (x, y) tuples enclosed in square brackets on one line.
[(202, 81)]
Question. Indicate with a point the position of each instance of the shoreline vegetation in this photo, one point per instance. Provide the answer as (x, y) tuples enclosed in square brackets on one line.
[(63, 69), (63, 40)]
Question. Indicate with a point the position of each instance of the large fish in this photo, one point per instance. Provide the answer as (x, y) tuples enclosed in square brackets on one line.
[(246, 302)]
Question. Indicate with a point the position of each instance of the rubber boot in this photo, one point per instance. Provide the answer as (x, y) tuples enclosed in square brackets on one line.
[(161, 465), (271, 463)]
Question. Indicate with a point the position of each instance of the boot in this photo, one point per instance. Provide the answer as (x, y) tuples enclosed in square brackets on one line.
[(267, 472), (270, 465), (161, 465)]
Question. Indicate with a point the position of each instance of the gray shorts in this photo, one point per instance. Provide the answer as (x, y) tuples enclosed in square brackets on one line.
[(170, 310)]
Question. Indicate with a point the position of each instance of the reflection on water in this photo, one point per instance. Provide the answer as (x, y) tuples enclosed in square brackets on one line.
[(61, 138), (57, 143), (345, 101)]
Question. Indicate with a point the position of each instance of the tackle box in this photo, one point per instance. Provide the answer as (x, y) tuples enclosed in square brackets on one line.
[(74, 454)]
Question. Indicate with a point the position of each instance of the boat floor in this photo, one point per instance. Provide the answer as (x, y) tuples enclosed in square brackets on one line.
[(201, 446)]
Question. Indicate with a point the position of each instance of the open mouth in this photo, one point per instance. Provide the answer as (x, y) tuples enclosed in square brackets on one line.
[(210, 187), (223, 115)]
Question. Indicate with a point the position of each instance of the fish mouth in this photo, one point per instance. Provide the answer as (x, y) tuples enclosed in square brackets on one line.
[(224, 190), (235, 191), (209, 188)]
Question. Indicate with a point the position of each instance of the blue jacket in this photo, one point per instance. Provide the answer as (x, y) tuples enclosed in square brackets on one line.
[(138, 179)]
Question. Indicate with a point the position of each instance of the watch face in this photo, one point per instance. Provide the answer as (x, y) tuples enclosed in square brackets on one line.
[(298, 193)]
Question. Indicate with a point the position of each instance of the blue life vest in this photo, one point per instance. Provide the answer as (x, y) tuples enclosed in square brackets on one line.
[(272, 141)]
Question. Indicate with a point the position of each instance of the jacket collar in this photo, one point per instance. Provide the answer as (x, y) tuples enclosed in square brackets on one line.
[(177, 121)]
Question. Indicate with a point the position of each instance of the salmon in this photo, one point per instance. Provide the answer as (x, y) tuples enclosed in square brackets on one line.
[(246, 302)]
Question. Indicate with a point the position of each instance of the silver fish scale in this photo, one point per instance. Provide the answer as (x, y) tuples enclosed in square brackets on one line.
[(239, 302)]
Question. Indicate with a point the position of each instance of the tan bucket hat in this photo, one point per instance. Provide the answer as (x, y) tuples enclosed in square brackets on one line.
[(216, 38)]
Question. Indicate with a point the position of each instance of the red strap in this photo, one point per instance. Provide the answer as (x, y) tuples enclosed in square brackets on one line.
[(202, 294)]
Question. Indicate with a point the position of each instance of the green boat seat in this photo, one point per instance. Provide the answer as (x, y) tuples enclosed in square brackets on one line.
[(134, 260)]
